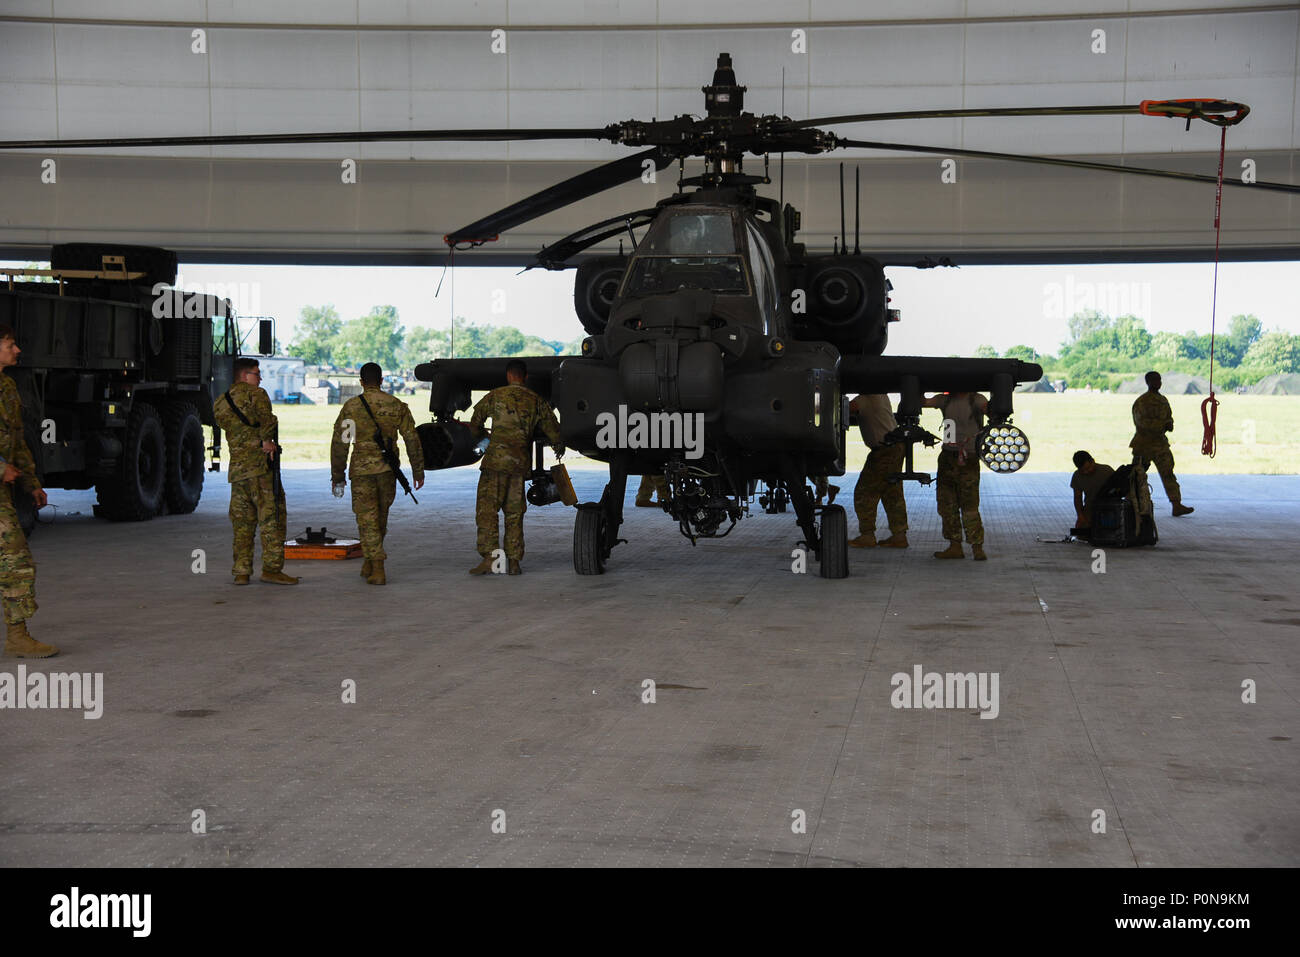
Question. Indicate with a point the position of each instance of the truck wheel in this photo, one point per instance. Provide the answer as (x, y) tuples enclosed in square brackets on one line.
[(589, 540), (136, 492), (835, 542), (185, 458)]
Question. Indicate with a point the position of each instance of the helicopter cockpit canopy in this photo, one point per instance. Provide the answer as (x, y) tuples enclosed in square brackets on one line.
[(690, 248)]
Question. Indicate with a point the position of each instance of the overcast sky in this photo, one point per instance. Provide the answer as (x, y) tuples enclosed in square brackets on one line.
[(944, 311)]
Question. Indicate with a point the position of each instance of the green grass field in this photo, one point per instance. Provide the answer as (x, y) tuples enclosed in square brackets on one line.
[(1256, 433)]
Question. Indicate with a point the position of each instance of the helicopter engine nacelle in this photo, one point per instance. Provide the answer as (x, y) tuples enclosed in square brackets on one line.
[(846, 303), (595, 289)]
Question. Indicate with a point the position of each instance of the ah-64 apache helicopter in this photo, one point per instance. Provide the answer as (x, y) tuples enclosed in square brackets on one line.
[(718, 317), (703, 319)]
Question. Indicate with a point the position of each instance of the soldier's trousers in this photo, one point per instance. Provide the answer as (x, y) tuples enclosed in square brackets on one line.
[(372, 496), (957, 490), (874, 487), (17, 568), (650, 485), (1164, 462), (500, 492), (253, 508)]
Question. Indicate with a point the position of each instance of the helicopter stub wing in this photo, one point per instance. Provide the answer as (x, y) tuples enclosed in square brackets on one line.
[(956, 374), (912, 375), (452, 380)]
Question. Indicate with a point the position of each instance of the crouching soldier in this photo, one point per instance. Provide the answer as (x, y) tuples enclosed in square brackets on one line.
[(1087, 481)]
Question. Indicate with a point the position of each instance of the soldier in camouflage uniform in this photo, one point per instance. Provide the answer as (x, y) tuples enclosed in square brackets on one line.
[(516, 413), (17, 569), (374, 484), (957, 488), (651, 486), (875, 421), (1152, 418), (250, 428)]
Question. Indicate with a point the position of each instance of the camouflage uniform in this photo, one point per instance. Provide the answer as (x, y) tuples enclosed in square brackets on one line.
[(957, 487), (17, 568), (875, 421), (652, 485), (253, 503), (516, 413), (1152, 418), (374, 484)]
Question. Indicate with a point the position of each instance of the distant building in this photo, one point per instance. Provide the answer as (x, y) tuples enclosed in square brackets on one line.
[(283, 376)]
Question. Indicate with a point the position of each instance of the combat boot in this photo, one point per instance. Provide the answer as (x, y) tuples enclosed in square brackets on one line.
[(376, 576), (241, 579), (514, 568), (977, 552), (365, 568), (278, 578), (20, 644), (865, 540), (482, 568), (1181, 509), (952, 551), (897, 540)]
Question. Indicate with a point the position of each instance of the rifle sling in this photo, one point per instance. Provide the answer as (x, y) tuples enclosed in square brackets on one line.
[(239, 415), (386, 446)]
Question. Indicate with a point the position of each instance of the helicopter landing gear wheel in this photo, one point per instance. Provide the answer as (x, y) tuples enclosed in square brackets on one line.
[(589, 530), (835, 542)]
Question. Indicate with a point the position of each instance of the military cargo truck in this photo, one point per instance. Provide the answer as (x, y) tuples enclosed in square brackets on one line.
[(117, 375)]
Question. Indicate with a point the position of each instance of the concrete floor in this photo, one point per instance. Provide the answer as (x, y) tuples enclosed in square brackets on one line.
[(1118, 692)]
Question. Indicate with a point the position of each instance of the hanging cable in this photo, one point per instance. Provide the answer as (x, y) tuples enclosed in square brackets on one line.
[(1210, 407)]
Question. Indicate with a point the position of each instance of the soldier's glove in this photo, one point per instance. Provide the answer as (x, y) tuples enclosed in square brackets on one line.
[(337, 488), (559, 451)]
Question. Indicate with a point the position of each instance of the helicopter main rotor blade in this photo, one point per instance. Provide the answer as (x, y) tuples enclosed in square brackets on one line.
[(1059, 161), (1218, 112), (259, 139), (578, 187)]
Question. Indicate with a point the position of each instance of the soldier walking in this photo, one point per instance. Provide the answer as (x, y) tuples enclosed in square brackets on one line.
[(17, 570), (875, 421), (1152, 418), (957, 488), (374, 483), (257, 504), (516, 413)]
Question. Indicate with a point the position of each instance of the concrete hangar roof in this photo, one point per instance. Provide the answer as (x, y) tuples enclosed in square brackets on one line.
[(138, 68)]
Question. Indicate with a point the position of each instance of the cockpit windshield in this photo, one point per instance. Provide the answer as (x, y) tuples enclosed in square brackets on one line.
[(685, 249)]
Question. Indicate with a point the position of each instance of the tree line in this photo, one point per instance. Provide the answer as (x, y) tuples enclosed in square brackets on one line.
[(1102, 351), (323, 338)]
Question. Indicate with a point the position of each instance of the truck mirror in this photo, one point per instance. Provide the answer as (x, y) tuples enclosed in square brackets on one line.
[(266, 337)]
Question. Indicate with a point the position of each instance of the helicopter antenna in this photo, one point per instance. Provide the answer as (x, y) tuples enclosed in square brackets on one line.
[(857, 208), (844, 243), (781, 201)]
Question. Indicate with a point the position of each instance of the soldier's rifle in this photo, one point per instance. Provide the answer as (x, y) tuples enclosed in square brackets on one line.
[(272, 458), (388, 452)]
